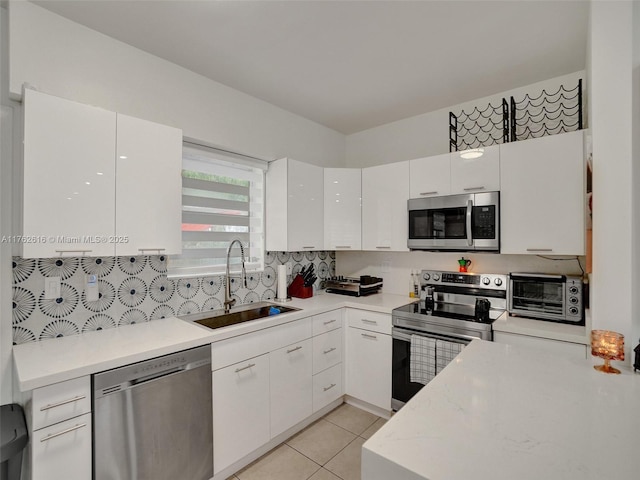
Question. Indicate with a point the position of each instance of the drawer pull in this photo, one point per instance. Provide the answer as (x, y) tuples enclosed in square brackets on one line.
[(64, 402), (329, 351), (329, 387), (244, 368), (329, 321), (384, 247), (151, 249), (294, 349), (343, 246), (73, 251), (68, 430), (471, 189), (366, 320), (428, 193), (539, 249), (308, 247), (366, 335)]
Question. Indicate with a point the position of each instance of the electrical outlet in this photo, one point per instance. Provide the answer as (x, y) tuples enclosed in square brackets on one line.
[(289, 269), (51, 287)]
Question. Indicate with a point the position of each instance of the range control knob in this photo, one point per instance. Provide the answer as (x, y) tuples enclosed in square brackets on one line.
[(486, 280), (498, 282), (426, 276), (436, 277)]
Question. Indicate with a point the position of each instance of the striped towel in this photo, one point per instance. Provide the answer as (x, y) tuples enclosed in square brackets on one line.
[(445, 353), (422, 367)]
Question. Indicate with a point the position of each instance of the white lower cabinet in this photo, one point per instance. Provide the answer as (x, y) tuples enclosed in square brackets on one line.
[(369, 366), (557, 347), (327, 387), (240, 410), (60, 430), (291, 396)]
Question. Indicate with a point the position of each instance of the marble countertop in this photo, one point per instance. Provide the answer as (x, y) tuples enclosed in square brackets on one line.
[(501, 412), (544, 329), (50, 361)]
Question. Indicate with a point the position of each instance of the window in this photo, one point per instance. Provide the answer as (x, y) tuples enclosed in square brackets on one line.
[(222, 199)]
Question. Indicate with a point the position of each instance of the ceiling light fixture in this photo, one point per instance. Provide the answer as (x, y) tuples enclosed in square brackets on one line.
[(472, 153)]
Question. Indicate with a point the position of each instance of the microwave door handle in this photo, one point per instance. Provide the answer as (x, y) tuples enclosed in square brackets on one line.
[(469, 233)]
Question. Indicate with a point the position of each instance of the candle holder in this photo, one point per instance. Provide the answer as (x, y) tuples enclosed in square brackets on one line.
[(609, 346)]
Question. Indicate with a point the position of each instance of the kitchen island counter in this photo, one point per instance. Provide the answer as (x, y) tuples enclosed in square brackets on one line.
[(501, 412)]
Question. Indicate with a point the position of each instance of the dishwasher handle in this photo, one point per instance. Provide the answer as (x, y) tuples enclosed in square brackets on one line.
[(154, 376)]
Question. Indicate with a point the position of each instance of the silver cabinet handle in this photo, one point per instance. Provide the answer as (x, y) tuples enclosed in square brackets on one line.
[(428, 193), (64, 402), (366, 320), (342, 246), (244, 368), (294, 349), (151, 250), (366, 335), (329, 351), (73, 251), (539, 249), (383, 247), (329, 321), (68, 430), (308, 247), (329, 387), (470, 189)]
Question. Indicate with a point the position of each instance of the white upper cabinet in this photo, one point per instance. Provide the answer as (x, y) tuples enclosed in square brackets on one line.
[(478, 173), (542, 195), (385, 191), (148, 188), (69, 176), (342, 208), (97, 183), (294, 208), (430, 176)]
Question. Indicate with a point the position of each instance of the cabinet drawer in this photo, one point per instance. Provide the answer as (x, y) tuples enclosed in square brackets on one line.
[(327, 387), (327, 321), (327, 350), (61, 401), (236, 349), (374, 321), (62, 450)]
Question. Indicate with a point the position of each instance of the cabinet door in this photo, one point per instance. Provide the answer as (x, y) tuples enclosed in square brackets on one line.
[(327, 350), (240, 410), (430, 176), (479, 174), (342, 208), (62, 450), (385, 221), (542, 195), (291, 392), (305, 203), (327, 387), (69, 175), (369, 367), (148, 188)]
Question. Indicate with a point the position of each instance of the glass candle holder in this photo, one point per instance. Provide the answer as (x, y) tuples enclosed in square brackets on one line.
[(609, 346)]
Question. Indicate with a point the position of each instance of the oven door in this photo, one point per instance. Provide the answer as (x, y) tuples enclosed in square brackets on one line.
[(402, 388), (537, 296)]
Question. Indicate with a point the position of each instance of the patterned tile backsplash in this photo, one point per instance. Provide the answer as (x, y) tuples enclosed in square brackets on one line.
[(132, 290)]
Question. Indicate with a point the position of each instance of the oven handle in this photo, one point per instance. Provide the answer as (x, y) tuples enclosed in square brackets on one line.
[(469, 232), (405, 335)]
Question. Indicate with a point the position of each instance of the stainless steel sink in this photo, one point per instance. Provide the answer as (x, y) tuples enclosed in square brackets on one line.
[(243, 313)]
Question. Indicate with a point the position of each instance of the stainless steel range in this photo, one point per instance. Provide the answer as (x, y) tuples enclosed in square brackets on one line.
[(454, 308)]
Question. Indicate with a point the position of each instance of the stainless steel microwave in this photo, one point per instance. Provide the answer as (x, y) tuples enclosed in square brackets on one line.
[(557, 298), (455, 222)]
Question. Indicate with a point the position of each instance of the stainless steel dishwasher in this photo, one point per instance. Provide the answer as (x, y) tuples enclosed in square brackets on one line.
[(153, 419)]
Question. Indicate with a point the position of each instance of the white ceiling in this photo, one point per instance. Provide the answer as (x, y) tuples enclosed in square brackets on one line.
[(352, 65)]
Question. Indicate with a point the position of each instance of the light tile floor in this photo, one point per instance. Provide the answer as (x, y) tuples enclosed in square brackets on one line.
[(328, 449)]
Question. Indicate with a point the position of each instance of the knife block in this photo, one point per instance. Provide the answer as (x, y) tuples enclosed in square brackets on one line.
[(298, 290)]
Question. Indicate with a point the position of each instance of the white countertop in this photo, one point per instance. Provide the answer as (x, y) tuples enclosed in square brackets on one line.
[(502, 413), (545, 329), (55, 360)]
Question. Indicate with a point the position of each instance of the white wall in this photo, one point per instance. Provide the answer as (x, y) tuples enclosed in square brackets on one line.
[(614, 252), (428, 134), (635, 307), (64, 58)]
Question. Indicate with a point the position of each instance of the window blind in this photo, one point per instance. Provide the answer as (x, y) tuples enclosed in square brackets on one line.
[(222, 200)]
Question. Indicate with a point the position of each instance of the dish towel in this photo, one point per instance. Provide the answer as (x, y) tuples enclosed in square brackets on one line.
[(445, 353), (422, 366)]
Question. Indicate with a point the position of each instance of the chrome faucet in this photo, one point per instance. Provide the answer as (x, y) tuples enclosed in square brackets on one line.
[(228, 301)]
